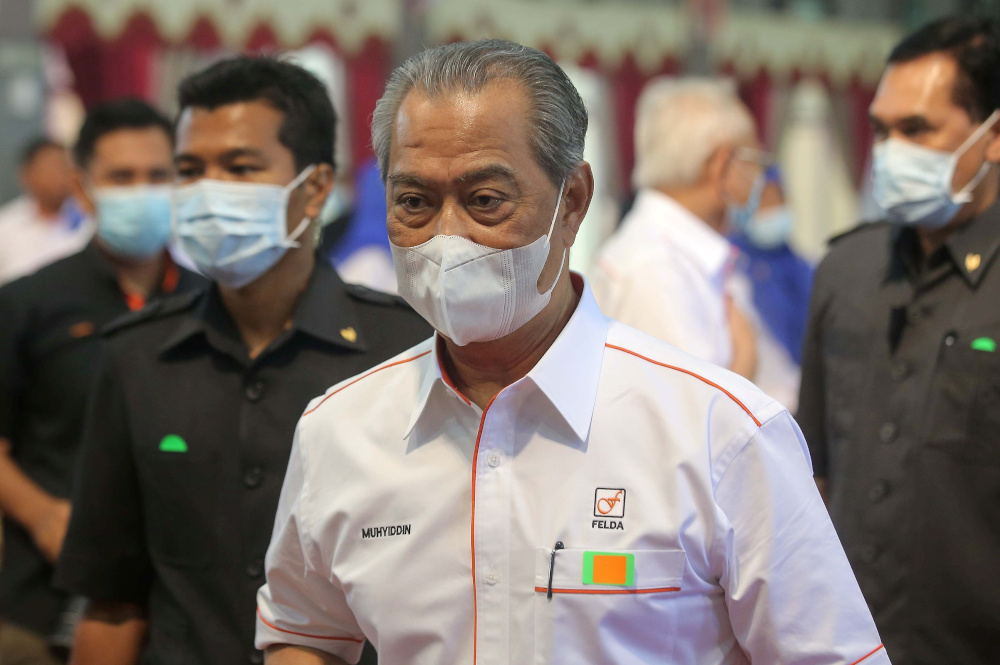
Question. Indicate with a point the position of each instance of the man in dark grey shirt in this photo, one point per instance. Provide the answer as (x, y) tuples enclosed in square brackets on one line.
[(900, 398)]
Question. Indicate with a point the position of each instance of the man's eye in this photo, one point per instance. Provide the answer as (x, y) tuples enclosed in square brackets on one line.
[(485, 201), (188, 172), (243, 169), (411, 202)]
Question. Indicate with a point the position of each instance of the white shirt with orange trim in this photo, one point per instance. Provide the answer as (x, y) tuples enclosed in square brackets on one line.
[(667, 504)]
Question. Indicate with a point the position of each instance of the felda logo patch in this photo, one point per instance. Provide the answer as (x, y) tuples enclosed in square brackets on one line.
[(609, 502)]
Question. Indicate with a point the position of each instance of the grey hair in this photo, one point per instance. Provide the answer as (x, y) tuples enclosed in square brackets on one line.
[(558, 117)]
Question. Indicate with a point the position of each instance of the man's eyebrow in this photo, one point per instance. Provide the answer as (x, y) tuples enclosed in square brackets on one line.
[(488, 172), (227, 156), (912, 120), (403, 179)]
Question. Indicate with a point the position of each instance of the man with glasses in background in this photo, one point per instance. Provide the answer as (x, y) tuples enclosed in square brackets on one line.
[(668, 269)]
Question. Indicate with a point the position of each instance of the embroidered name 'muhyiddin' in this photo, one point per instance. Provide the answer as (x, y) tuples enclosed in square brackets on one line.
[(382, 531)]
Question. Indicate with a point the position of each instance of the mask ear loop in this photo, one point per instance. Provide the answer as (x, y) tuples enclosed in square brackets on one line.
[(964, 195), (292, 240), (548, 238)]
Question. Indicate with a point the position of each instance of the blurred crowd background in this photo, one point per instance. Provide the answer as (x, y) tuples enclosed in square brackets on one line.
[(807, 69)]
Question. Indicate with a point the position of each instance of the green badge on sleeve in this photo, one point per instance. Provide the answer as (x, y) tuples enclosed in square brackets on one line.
[(172, 443), (984, 344)]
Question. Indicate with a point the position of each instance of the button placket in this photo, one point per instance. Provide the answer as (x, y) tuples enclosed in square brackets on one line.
[(253, 390), (887, 433), (253, 478), (492, 535)]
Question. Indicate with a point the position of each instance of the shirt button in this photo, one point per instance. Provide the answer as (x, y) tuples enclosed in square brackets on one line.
[(254, 391), (493, 459), (899, 371), (256, 657), (888, 432), (868, 553), (949, 339), (878, 491), (914, 315), (492, 577), (255, 569), (253, 478)]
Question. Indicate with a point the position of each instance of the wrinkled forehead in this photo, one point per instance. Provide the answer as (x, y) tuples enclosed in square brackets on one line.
[(445, 134)]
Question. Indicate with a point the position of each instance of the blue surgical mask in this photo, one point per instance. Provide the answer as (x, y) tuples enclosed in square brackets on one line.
[(913, 183), (133, 222), (769, 229), (740, 215), (235, 231)]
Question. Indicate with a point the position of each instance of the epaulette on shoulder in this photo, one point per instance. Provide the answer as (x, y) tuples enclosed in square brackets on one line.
[(154, 310), (863, 226), (365, 294)]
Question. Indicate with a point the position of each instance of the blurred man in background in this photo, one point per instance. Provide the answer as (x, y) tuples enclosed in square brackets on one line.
[(900, 397), (780, 281), (193, 413), (49, 349), (43, 224), (667, 270)]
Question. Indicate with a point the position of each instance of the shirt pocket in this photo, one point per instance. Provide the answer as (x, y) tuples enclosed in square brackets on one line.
[(965, 406), (607, 606), (179, 492)]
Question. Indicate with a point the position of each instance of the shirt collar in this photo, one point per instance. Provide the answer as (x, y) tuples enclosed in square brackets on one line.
[(687, 232), (102, 266), (324, 311), (568, 374), (971, 249)]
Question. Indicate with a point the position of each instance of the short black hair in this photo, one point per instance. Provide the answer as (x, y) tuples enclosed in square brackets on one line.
[(113, 116), (309, 127), (35, 146), (974, 43)]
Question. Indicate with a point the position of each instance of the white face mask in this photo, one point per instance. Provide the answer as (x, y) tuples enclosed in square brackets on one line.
[(472, 293), (235, 231), (913, 183)]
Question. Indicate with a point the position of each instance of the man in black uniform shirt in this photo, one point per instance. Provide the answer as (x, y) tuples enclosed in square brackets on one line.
[(900, 398), (192, 419), (49, 352)]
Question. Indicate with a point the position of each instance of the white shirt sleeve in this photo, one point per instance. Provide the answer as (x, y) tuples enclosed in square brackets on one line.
[(301, 604), (792, 596)]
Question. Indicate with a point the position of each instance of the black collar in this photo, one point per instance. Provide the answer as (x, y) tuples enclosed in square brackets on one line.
[(324, 311), (971, 249), (974, 246)]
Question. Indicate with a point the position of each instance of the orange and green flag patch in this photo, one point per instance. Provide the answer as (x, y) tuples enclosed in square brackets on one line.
[(608, 568)]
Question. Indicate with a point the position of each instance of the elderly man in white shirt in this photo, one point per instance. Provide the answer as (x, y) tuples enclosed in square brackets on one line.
[(668, 270), (538, 483)]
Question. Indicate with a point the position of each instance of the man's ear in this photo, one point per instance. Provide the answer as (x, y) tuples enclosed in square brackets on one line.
[(577, 196), (714, 171), (317, 188), (993, 148), (80, 192)]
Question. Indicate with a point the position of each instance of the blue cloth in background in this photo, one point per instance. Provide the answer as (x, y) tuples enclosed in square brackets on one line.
[(366, 227), (782, 283)]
